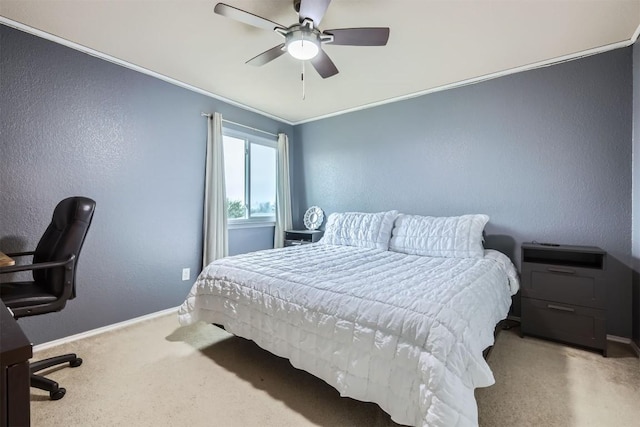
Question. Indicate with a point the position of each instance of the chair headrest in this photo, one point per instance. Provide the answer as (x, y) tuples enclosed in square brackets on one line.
[(73, 209)]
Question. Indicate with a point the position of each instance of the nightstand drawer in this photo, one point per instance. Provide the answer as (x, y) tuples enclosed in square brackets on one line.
[(295, 242), (566, 284), (564, 322)]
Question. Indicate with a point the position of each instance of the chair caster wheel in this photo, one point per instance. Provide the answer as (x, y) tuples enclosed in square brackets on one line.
[(76, 362), (57, 394)]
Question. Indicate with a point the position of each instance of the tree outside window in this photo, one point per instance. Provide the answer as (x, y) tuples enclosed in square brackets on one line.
[(250, 177)]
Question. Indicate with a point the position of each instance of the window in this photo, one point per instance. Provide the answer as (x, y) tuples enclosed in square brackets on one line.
[(250, 177)]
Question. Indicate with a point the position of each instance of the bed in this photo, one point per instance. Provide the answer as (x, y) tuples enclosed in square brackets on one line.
[(387, 308)]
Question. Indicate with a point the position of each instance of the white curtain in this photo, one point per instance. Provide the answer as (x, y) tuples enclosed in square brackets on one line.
[(283, 192), (215, 197)]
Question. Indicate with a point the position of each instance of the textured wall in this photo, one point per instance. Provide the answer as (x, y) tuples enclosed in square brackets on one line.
[(73, 124), (546, 153), (636, 193), (242, 240)]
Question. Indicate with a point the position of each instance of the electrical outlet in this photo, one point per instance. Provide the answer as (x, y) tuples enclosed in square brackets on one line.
[(186, 273)]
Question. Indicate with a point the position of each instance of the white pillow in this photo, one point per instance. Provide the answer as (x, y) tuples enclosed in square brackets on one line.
[(366, 230), (449, 237)]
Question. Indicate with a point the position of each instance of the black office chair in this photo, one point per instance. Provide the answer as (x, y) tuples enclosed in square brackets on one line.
[(54, 272)]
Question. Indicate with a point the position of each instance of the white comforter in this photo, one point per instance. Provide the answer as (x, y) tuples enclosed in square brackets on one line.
[(406, 332)]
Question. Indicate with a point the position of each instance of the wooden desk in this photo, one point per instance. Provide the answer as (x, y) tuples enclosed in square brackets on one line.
[(5, 261), (15, 352)]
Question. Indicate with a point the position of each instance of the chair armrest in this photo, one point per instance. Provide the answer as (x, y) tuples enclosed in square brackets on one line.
[(15, 254), (37, 266)]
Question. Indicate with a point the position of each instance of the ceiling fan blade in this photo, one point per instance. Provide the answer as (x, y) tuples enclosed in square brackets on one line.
[(359, 36), (324, 65), (267, 56), (245, 17), (314, 10)]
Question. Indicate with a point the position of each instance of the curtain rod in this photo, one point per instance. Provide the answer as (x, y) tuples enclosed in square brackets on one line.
[(241, 125)]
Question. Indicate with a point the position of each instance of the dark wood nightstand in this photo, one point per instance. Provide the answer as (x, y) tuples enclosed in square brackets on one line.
[(563, 291), (301, 237)]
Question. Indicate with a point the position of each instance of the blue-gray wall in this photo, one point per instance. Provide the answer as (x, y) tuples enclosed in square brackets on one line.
[(636, 193), (73, 124), (545, 153)]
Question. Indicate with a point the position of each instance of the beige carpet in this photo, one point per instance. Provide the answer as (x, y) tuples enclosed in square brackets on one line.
[(156, 373)]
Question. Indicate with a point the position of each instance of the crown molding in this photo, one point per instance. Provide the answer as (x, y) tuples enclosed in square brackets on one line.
[(134, 67), (491, 76)]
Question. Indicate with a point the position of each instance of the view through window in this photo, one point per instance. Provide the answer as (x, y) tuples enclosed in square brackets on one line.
[(250, 177)]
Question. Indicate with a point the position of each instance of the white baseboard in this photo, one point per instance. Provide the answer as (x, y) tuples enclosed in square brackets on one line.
[(103, 329), (149, 316), (622, 340)]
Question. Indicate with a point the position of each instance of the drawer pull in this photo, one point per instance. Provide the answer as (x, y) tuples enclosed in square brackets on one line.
[(561, 270), (561, 308)]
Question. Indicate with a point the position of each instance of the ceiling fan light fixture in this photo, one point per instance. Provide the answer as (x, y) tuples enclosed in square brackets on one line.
[(303, 40), (303, 49)]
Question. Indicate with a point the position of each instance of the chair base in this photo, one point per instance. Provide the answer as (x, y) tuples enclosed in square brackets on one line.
[(38, 381)]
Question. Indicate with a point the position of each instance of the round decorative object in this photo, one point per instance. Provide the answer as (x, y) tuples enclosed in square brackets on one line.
[(313, 218)]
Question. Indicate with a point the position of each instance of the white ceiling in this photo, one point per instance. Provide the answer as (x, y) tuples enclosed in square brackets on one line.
[(432, 44)]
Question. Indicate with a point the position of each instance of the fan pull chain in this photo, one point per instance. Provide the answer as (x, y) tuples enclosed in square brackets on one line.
[(302, 78)]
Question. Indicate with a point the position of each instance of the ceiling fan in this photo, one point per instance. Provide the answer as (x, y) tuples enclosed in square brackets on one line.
[(304, 39)]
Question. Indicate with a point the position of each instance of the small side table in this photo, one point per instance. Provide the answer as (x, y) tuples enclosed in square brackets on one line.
[(563, 292), (301, 237)]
